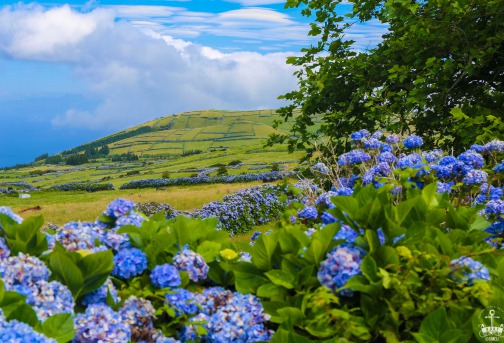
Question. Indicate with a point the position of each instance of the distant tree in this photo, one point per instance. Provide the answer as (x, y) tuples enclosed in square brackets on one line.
[(75, 160), (439, 70), (275, 167), (104, 150), (56, 159), (41, 157), (166, 174)]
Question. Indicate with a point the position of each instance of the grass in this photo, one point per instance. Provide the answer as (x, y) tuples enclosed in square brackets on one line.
[(242, 242), (62, 207)]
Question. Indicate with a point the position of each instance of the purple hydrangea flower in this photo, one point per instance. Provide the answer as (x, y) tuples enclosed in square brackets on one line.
[(377, 135), (347, 234), (100, 324), (340, 265), (488, 192), (412, 142), (132, 218), (478, 148), (364, 133), (433, 155), (409, 161), (494, 207), (327, 218), (192, 263), (23, 270), (129, 263), (309, 212), (465, 269), (495, 145), (165, 275), (50, 298)]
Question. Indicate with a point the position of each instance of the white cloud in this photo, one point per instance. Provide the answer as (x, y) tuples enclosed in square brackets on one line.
[(257, 2), (138, 76), (260, 15)]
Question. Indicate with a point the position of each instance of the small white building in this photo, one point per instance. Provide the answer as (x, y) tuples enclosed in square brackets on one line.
[(24, 196)]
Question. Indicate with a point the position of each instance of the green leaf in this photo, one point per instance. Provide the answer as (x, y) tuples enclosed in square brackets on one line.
[(59, 327), (281, 278), (435, 324), (209, 250), (369, 268), (269, 290), (263, 251)]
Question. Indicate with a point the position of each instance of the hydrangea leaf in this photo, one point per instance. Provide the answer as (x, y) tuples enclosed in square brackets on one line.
[(59, 327)]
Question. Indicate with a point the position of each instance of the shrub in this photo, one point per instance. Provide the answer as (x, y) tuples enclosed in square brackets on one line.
[(166, 175), (222, 170)]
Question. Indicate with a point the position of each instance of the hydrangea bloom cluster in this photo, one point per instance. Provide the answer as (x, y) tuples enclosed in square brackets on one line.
[(340, 265), (465, 269), (99, 323), (165, 275), (229, 317), (412, 142), (309, 212), (4, 249), (138, 314), (129, 263), (192, 263), (15, 331), (182, 301), (320, 168), (119, 207)]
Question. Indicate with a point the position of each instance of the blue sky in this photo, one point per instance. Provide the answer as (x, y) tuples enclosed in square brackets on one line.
[(71, 72)]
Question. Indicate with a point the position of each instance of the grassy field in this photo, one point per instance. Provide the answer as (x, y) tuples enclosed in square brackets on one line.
[(62, 207)]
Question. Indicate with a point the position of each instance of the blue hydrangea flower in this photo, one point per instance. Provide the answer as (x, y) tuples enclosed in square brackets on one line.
[(100, 295), (386, 148), (23, 270), (494, 207), (4, 249), (392, 139), (499, 168), (364, 133), (192, 263), (340, 265), (132, 218), (347, 234), (472, 158), (15, 331), (433, 155), (356, 136), (377, 135), (475, 176), (100, 324), (495, 146), (50, 298), (327, 218), (309, 212), (412, 142), (165, 275), (76, 236), (137, 311), (372, 143), (386, 156), (409, 161), (478, 148), (129, 263), (245, 257), (8, 212), (465, 269), (488, 192), (116, 241), (211, 298), (119, 207), (445, 187), (353, 157), (183, 301)]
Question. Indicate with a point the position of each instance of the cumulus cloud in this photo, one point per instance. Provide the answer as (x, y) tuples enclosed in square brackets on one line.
[(140, 76)]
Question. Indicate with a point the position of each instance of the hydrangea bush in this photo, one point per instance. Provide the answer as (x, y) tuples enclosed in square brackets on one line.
[(387, 244)]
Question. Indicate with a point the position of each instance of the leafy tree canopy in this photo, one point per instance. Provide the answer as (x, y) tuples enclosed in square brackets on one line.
[(439, 71)]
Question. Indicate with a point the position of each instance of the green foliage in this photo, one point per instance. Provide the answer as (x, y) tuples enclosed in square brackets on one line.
[(222, 170), (405, 291), (78, 159), (81, 272), (25, 237), (166, 174), (435, 56)]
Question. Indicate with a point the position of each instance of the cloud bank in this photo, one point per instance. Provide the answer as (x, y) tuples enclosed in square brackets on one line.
[(142, 74)]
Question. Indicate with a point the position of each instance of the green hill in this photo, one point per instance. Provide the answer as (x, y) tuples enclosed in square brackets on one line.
[(181, 144)]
